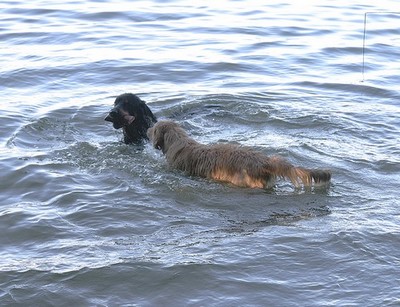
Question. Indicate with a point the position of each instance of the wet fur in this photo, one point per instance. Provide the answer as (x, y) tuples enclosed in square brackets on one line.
[(241, 166)]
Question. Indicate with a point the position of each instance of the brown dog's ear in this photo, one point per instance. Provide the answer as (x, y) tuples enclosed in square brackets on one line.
[(158, 138), (159, 145)]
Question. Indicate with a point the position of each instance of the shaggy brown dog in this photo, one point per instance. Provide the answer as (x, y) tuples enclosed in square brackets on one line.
[(239, 165)]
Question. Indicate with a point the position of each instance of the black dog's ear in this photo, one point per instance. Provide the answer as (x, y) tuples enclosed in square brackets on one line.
[(147, 113), (139, 108)]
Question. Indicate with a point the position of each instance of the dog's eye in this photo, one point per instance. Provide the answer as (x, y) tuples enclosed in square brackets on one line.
[(113, 113)]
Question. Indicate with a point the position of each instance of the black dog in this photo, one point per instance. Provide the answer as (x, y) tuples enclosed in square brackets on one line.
[(134, 117)]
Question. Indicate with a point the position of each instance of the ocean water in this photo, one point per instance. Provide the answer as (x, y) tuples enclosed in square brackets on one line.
[(86, 220)]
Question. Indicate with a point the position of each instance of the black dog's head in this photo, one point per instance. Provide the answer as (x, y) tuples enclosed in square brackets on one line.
[(132, 115)]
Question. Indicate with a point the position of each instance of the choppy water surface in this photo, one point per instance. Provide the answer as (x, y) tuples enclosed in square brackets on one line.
[(87, 220)]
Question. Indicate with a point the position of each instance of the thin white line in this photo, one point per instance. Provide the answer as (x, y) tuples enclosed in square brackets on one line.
[(365, 35)]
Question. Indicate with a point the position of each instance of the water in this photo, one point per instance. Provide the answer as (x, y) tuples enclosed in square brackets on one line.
[(87, 220)]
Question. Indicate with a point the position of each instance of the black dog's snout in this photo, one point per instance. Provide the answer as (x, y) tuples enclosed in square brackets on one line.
[(112, 115)]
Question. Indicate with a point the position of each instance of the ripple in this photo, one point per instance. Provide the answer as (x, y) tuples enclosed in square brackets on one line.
[(82, 213), (355, 88)]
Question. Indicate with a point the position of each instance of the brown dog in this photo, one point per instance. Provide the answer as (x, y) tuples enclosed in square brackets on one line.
[(239, 165)]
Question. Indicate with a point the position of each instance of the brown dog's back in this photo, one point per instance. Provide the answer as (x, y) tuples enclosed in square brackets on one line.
[(241, 166)]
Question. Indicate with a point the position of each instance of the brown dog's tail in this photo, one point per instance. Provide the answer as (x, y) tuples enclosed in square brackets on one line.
[(299, 175), (310, 177)]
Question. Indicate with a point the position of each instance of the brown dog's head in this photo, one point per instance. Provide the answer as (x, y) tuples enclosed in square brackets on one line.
[(165, 133)]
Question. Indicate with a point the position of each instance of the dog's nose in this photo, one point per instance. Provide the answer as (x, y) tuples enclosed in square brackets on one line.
[(111, 116)]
